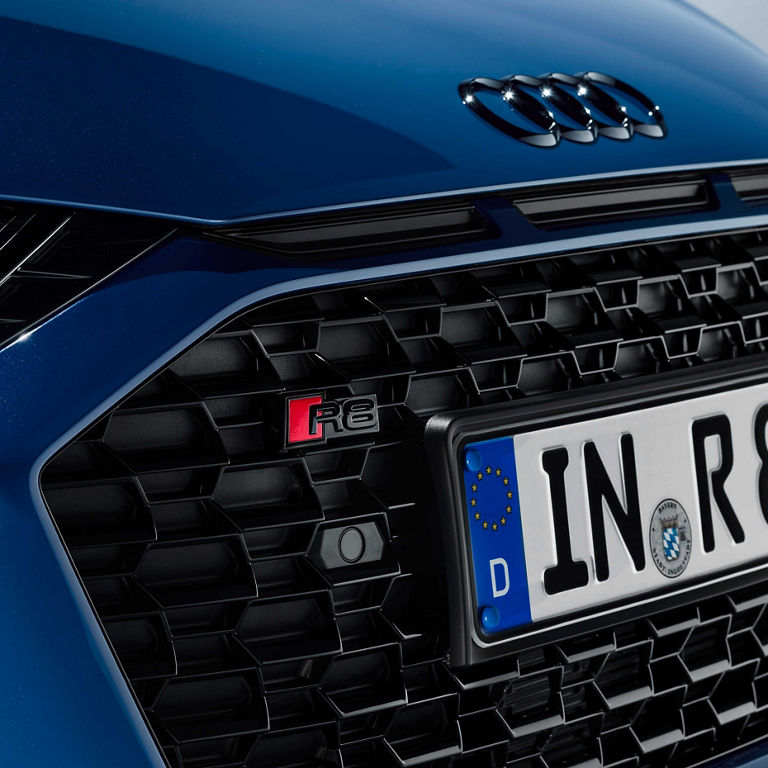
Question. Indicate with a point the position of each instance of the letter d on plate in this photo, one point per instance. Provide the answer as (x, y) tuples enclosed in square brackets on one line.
[(499, 591)]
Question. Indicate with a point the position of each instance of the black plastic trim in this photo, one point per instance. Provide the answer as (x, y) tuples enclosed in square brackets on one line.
[(614, 202), (751, 185), (454, 220), (381, 227)]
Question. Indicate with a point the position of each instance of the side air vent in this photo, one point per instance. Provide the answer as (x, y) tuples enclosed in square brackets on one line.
[(751, 186), (609, 203), (49, 256), (389, 226)]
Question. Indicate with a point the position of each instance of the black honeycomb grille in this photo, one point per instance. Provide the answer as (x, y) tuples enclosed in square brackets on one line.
[(195, 533)]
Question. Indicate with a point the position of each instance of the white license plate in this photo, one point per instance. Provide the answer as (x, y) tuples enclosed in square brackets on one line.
[(580, 516)]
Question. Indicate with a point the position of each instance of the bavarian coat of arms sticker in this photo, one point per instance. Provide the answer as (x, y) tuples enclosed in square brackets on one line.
[(670, 538)]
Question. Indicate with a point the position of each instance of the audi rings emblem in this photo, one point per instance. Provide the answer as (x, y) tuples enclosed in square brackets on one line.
[(576, 108)]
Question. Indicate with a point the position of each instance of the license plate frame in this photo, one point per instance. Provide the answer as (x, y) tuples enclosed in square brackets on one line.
[(447, 435)]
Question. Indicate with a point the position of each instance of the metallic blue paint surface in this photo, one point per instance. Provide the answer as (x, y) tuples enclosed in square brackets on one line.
[(64, 701), (218, 110)]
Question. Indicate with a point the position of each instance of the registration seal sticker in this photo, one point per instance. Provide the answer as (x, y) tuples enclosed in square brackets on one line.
[(670, 538)]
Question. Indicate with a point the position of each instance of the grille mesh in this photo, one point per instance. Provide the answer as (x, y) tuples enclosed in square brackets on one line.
[(195, 533)]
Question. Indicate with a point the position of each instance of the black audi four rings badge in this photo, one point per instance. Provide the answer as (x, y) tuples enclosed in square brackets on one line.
[(577, 108)]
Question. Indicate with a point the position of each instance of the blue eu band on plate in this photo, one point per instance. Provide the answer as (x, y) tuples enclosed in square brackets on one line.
[(496, 533), (596, 512)]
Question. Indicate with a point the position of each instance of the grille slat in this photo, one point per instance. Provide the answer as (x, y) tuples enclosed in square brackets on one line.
[(199, 536)]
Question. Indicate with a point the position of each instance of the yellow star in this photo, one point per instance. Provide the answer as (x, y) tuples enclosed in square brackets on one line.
[(509, 494), (494, 526), (474, 486), (485, 523), (498, 473), (506, 481), (473, 502), (479, 475), (503, 520), (488, 470), (477, 515), (509, 509)]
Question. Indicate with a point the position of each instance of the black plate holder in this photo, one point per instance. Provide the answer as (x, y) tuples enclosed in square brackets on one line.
[(446, 435)]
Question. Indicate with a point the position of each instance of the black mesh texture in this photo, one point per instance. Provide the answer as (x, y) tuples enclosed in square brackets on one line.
[(50, 256), (195, 533)]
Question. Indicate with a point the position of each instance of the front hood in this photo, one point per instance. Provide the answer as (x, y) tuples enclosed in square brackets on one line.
[(223, 109)]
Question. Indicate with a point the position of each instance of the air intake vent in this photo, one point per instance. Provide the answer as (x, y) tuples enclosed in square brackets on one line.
[(49, 256), (609, 203), (751, 186), (391, 227), (459, 219)]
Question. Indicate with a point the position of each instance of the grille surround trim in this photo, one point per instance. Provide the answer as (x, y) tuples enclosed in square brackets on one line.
[(207, 278)]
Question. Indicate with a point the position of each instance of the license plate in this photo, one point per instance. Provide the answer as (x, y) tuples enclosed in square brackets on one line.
[(567, 517)]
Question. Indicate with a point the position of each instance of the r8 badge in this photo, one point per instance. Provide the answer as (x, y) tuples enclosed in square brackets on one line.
[(313, 419)]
